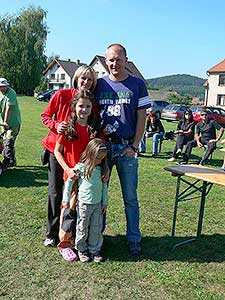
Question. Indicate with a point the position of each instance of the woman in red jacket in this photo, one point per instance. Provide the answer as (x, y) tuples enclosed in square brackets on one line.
[(54, 117)]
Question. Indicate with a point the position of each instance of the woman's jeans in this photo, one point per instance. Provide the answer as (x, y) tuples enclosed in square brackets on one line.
[(127, 169), (156, 137), (142, 145)]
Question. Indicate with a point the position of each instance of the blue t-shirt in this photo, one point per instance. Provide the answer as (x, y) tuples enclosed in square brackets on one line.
[(119, 102)]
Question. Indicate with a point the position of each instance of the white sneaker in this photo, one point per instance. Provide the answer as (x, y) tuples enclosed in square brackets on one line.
[(97, 258), (172, 159), (83, 256), (178, 151), (49, 242)]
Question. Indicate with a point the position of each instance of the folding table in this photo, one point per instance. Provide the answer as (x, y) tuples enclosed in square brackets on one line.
[(204, 179)]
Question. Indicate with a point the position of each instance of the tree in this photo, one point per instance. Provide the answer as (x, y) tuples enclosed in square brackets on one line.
[(22, 47), (174, 98)]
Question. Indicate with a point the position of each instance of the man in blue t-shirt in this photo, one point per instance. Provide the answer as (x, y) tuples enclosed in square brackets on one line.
[(123, 100)]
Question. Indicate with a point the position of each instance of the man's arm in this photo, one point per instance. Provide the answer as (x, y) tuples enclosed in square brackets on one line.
[(221, 131), (7, 115), (140, 128), (197, 138)]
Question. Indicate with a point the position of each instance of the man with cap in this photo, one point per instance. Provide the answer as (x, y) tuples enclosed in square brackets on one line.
[(205, 137), (10, 118)]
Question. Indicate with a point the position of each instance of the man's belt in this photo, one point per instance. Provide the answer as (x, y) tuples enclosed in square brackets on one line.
[(118, 140)]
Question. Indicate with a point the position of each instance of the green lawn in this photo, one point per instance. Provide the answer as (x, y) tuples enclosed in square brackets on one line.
[(30, 271)]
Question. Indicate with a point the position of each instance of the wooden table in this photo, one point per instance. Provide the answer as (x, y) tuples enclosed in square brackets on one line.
[(205, 178)]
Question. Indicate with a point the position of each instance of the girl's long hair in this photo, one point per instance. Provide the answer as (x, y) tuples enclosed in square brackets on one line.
[(70, 132), (90, 154)]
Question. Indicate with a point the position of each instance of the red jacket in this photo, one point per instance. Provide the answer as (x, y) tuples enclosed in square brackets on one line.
[(57, 111)]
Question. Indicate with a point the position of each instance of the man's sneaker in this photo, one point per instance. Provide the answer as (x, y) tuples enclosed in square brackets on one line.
[(12, 164), (201, 163), (178, 151), (172, 159), (8, 163), (1, 169), (183, 162), (135, 248), (97, 258), (49, 242), (83, 256)]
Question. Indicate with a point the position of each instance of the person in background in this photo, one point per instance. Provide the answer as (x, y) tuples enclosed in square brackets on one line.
[(223, 166), (122, 101), (55, 118), (205, 137), (10, 118), (185, 133), (154, 129)]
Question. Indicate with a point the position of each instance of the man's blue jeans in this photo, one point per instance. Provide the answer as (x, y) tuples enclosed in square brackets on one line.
[(127, 169)]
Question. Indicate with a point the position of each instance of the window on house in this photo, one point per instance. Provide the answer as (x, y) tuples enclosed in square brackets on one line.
[(221, 100), (222, 79), (63, 76), (52, 76)]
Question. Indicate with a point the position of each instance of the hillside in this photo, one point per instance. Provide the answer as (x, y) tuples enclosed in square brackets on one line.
[(181, 83)]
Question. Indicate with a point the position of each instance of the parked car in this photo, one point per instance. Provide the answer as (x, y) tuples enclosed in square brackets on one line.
[(45, 96), (215, 113), (157, 106), (173, 112)]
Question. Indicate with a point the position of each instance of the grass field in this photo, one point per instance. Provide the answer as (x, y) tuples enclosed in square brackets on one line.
[(30, 271)]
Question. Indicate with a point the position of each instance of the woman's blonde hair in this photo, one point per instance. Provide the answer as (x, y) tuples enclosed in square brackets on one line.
[(70, 132), (90, 154), (83, 70)]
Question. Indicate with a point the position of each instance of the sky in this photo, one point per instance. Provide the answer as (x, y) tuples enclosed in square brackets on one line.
[(161, 37)]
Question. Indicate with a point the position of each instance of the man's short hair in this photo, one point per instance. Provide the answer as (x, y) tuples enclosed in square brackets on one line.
[(119, 45), (204, 111)]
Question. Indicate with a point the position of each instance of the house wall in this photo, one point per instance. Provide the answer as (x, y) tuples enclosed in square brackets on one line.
[(58, 82), (99, 69), (214, 89)]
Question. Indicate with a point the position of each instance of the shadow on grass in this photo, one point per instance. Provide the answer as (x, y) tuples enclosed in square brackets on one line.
[(194, 159), (209, 248), (24, 176)]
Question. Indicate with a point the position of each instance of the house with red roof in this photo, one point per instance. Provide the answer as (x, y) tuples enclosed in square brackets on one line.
[(215, 85), (59, 73)]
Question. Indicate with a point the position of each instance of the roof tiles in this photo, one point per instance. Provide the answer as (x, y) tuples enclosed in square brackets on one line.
[(220, 67)]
